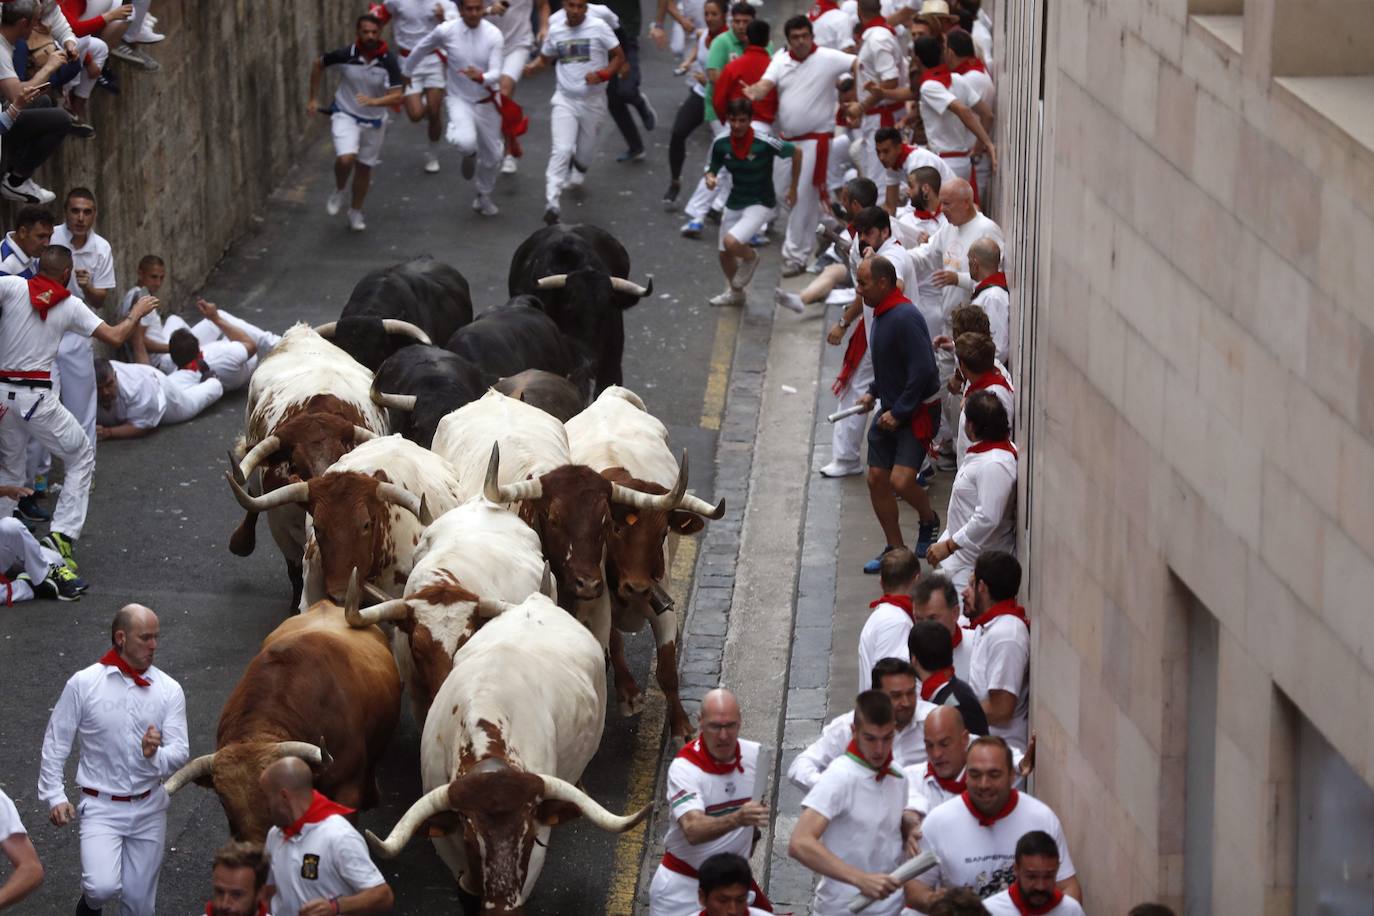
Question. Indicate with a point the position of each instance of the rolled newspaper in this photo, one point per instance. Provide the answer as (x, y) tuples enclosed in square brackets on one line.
[(763, 773), (847, 412), (904, 873)]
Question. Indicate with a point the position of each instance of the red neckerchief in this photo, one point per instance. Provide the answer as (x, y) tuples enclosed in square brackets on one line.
[(935, 681), (998, 280), (901, 601), (374, 53), (991, 379), (320, 808), (953, 786), (926, 214), (894, 299), (880, 771), (939, 74), (979, 447), (210, 909), (695, 752), (112, 658), (1008, 608), (793, 54), (44, 293), (820, 8), (712, 33), (957, 638), (877, 22), (968, 65), (1026, 909), (740, 146), (989, 820), (198, 363)]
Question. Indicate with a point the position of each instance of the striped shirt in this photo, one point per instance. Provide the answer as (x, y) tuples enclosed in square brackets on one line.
[(13, 261)]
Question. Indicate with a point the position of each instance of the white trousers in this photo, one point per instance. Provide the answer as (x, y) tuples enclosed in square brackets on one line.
[(847, 435), (99, 52), (703, 198), (122, 844), (19, 548), (187, 395), (74, 379), (574, 125), (37, 414), (951, 404), (475, 128), (672, 894), (806, 212), (206, 332), (840, 160)]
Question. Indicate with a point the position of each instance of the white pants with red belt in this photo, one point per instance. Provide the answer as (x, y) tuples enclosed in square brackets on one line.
[(122, 844), (475, 128), (847, 435), (37, 414), (806, 212), (74, 380)]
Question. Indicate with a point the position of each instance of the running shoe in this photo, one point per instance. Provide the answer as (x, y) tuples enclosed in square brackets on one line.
[(334, 205), (431, 163), (691, 229), (30, 511), (670, 196), (927, 534), (508, 165), (729, 297), (355, 220), (63, 546)]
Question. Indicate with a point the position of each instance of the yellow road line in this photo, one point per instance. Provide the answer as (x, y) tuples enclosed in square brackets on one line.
[(643, 776)]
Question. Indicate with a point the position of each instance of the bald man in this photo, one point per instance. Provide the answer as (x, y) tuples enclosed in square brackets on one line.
[(941, 777), (990, 292), (130, 718), (320, 864), (711, 790)]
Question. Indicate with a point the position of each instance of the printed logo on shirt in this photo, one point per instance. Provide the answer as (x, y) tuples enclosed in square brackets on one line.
[(310, 867), (575, 50)]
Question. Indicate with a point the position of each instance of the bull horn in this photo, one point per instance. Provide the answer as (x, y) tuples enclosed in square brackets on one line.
[(510, 492), (621, 285), (561, 790), (201, 766), (362, 434), (405, 329), (297, 492), (702, 507), (433, 802), (255, 456), (488, 608), (306, 751), (386, 609), (404, 402), (552, 281), (407, 500), (327, 330), (662, 502)]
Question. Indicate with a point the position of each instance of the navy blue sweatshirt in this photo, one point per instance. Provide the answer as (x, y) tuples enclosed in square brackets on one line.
[(904, 371)]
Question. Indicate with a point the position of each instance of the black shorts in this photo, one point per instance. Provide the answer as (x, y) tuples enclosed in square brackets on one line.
[(900, 446)]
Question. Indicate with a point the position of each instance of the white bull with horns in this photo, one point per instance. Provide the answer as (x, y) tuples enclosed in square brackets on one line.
[(511, 730)]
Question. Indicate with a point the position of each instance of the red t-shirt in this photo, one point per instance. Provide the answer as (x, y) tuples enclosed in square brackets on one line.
[(745, 70)]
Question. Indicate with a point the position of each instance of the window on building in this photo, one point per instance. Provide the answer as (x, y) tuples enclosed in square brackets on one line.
[(1335, 842), (1200, 776)]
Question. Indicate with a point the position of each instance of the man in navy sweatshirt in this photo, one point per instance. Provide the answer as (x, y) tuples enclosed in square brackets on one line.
[(907, 383)]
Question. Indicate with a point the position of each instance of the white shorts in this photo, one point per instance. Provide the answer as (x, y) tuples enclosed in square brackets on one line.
[(517, 55), (354, 139), (429, 74), (743, 224)]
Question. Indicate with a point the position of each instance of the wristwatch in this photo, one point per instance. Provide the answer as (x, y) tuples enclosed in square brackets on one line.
[(843, 323)]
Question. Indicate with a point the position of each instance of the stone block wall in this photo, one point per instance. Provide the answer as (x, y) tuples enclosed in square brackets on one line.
[(183, 159), (1200, 343)]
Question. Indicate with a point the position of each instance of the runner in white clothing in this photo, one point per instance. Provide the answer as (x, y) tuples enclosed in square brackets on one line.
[(896, 678), (36, 314), (472, 50), (882, 71), (412, 20), (951, 110), (1000, 666), (136, 399), (130, 720), (885, 631), (586, 54), (519, 40), (899, 160), (711, 789), (43, 574), (805, 77), (26, 871), (991, 293), (961, 55), (974, 835), (1035, 890), (230, 346), (850, 830)]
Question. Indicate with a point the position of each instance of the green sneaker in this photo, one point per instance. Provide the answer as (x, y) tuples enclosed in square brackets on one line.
[(63, 545)]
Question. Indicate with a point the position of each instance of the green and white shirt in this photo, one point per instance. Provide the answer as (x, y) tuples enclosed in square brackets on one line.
[(751, 177)]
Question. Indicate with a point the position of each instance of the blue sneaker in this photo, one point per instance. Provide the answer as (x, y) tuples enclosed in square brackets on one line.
[(929, 533), (926, 474), (30, 511), (758, 241), (875, 565), (691, 229)]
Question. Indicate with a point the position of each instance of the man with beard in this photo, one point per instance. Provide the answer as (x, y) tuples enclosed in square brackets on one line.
[(239, 879), (1034, 890)]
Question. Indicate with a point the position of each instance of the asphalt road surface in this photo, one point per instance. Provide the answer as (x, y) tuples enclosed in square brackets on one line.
[(161, 512)]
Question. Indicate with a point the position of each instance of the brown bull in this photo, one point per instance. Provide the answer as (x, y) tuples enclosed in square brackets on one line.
[(316, 679)]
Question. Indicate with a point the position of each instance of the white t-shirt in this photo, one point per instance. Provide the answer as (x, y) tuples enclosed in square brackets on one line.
[(578, 51), (945, 133), (230, 362), (594, 11), (835, 29), (13, 261), (326, 859), (95, 256), (901, 262), (864, 829), (880, 58), (690, 788), (10, 824), (412, 20), (996, 302), (883, 636), (918, 157), (140, 399), (1002, 905), (979, 857), (807, 97), (29, 343), (908, 746), (1000, 661)]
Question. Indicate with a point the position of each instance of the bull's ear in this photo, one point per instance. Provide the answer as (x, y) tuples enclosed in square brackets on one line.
[(685, 523), (381, 475), (441, 824), (552, 812)]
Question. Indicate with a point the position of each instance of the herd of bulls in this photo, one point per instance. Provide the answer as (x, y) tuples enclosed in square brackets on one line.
[(505, 541)]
